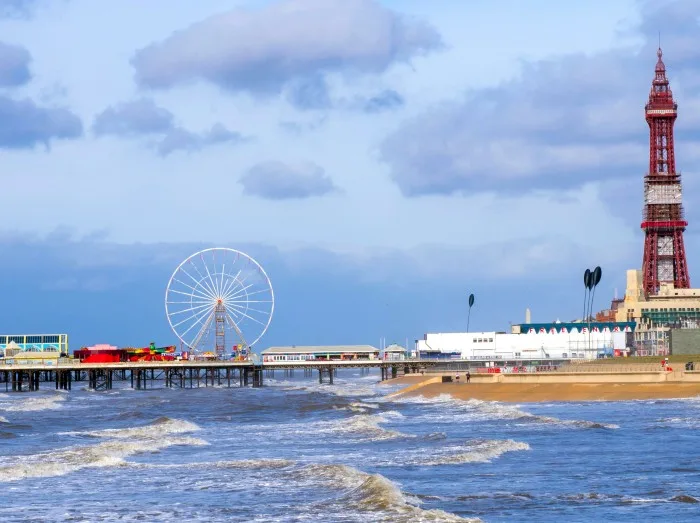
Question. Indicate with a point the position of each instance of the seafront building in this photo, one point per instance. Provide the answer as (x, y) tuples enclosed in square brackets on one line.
[(33, 348), (531, 341), (320, 353)]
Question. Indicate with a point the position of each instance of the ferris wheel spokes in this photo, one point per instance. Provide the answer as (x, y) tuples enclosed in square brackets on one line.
[(213, 297)]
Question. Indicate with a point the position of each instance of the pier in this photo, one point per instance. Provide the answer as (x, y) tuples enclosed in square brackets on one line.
[(186, 374)]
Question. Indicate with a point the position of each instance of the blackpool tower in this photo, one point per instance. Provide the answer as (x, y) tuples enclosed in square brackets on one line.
[(663, 221)]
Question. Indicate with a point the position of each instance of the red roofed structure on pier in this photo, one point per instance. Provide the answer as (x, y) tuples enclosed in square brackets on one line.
[(663, 220)]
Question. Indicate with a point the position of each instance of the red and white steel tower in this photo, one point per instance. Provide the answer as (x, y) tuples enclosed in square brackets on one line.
[(663, 220)]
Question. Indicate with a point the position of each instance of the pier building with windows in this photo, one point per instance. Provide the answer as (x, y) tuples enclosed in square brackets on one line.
[(10, 344)]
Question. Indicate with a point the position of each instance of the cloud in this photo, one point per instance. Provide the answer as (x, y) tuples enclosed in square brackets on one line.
[(262, 51), (182, 140), (14, 65), (560, 124), (387, 100), (23, 124), (17, 8), (321, 296), (310, 94), (133, 119), (280, 181), (143, 117)]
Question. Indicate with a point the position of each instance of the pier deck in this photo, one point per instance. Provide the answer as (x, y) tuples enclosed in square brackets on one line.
[(184, 374)]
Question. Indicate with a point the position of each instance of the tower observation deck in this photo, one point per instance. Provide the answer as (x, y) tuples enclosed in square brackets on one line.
[(663, 219)]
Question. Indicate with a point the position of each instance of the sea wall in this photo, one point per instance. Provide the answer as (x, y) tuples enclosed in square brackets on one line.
[(583, 377)]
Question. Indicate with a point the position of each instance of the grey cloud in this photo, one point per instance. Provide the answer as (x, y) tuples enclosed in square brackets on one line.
[(133, 119), (562, 123), (313, 94), (281, 181), (260, 51), (179, 139), (144, 118), (23, 124), (84, 284), (310, 94), (387, 100), (14, 65), (17, 8)]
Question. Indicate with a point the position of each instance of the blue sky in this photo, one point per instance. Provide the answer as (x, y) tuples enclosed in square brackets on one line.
[(381, 160)]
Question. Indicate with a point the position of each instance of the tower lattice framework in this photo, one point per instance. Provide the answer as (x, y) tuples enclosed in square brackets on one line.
[(663, 220)]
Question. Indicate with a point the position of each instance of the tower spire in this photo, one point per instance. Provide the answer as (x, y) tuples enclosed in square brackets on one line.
[(663, 220)]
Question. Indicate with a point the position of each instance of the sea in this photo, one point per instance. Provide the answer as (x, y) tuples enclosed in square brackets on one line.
[(296, 450)]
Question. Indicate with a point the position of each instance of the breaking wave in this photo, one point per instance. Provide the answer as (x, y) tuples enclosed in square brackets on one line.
[(242, 464), (160, 427), (474, 409), (34, 404), (360, 427), (3, 419), (371, 494), (359, 406), (121, 444), (476, 451)]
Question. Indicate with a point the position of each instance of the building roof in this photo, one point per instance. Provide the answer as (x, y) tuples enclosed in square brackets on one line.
[(558, 326), (321, 349), (394, 347)]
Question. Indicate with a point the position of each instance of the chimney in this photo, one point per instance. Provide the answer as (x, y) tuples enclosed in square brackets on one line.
[(527, 315)]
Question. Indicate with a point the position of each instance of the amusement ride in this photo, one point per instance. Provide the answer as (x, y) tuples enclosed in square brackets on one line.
[(218, 295)]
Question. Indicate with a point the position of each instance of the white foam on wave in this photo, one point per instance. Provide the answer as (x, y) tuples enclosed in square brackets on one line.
[(340, 387), (360, 427), (242, 464), (476, 410), (373, 495), (33, 404), (159, 428), (120, 444), (3, 420), (471, 451), (475, 451), (359, 406), (685, 422)]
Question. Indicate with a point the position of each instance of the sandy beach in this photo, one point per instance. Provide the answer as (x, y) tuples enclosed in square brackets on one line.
[(541, 392)]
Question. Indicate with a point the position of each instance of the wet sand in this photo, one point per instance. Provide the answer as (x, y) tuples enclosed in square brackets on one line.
[(543, 392)]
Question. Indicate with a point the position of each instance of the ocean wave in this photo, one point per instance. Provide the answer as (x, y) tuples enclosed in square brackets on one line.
[(161, 427), (34, 404), (474, 409), (684, 422), (476, 451), (3, 419), (367, 493), (243, 464), (121, 444), (341, 387), (360, 427), (358, 406)]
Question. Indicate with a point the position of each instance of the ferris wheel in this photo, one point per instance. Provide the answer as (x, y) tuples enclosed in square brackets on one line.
[(216, 296)]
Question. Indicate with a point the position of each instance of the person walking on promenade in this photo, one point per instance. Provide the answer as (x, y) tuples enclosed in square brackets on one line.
[(469, 377)]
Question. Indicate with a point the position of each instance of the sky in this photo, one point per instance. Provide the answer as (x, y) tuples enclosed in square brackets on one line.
[(381, 159)]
